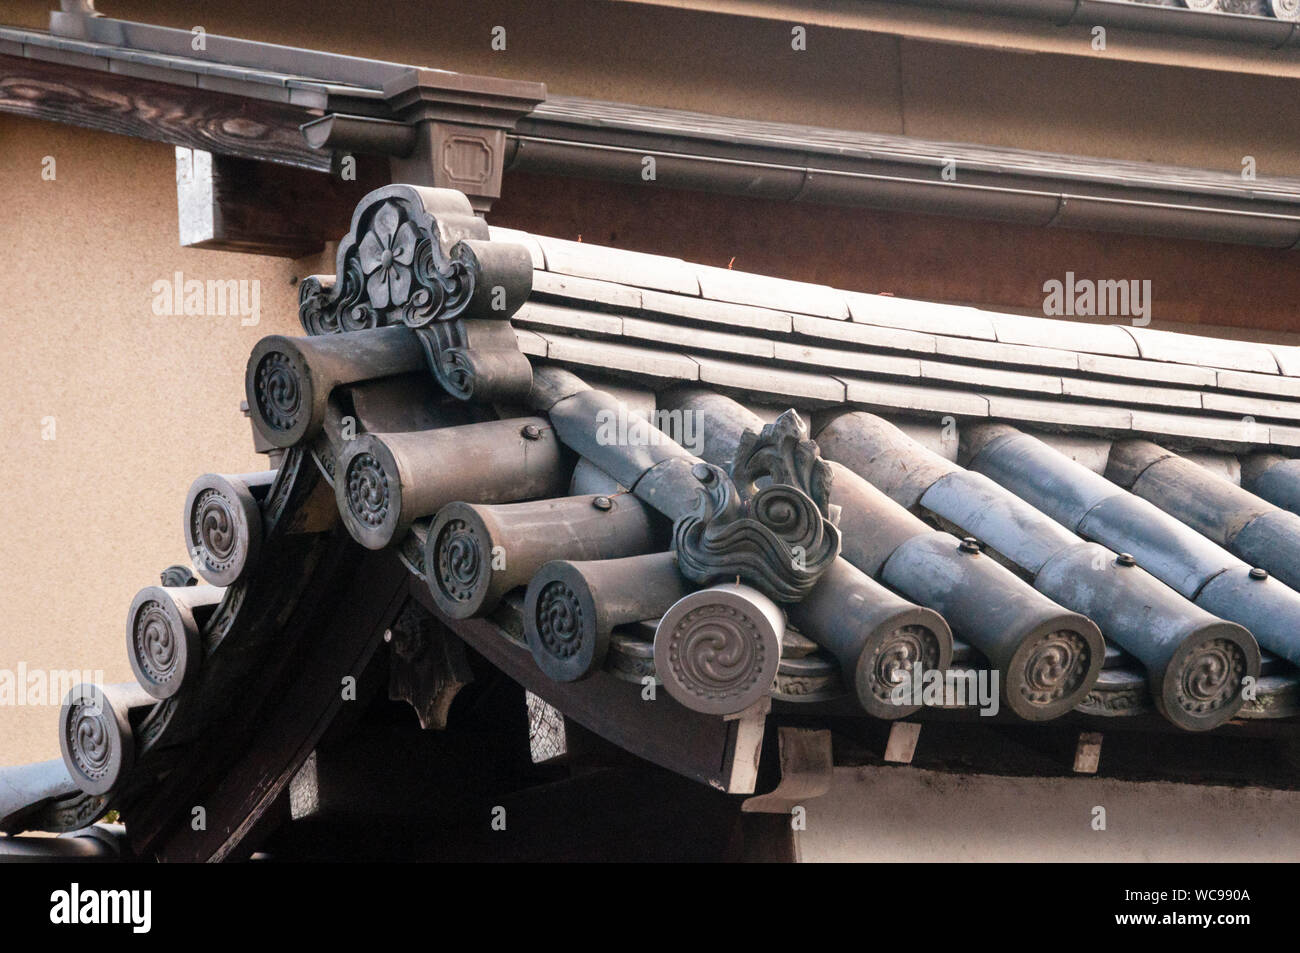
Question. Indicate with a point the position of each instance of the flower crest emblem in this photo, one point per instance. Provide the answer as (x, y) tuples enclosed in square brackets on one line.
[(386, 255)]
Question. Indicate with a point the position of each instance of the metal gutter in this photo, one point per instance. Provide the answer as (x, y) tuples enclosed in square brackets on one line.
[(809, 182), (582, 137), (231, 51)]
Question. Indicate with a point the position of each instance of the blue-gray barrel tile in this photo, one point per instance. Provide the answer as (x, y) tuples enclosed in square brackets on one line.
[(1046, 479), (1171, 551), (1270, 609), (1209, 504), (1132, 607), (998, 518), (1279, 484), (599, 426), (984, 603), (1272, 541)]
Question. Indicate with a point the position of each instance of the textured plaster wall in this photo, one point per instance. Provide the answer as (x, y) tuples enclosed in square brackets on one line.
[(141, 404), (930, 816)]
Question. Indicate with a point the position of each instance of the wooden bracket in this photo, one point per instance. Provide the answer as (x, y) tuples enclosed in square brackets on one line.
[(1087, 755), (448, 131), (262, 208), (460, 125), (428, 666), (806, 765), (901, 746)]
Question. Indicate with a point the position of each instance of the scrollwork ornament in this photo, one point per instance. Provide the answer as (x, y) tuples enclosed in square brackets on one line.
[(165, 646), (784, 453), (405, 261), (420, 257), (717, 650), (456, 564), (313, 296), (95, 738), (1210, 677), (1054, 668), (778, 541), (1118, 692), (770, 522), (367, 490)]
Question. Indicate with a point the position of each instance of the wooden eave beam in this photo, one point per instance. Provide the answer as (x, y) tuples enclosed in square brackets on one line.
[(160, 112), (262, 208)]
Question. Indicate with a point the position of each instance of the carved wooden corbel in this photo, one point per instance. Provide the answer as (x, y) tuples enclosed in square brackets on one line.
[(807, 764), (420, 257), (428, 665)]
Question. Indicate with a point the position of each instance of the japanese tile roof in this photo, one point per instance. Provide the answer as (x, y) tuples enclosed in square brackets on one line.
[(668, 320), (605, 470)]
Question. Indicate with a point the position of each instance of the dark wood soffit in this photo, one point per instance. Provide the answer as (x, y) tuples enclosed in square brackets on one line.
[(197, 118)]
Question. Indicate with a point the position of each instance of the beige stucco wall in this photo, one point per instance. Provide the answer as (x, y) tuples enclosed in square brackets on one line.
[(142, 404), (932, 816)]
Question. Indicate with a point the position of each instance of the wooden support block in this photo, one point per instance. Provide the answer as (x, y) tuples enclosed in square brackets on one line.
[(901, 746), (459, 126), (1087, 756), (304, 790), (261, 208), (547, 738), (746, 747), (428, 666), (806, 765)]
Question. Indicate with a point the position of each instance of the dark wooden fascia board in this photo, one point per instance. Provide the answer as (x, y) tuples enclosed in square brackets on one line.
[(160, 112), (328, 640)]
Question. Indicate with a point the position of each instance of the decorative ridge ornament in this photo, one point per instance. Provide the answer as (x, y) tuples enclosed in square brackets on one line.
[(420, 257), (784, 452), (780, 538)]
